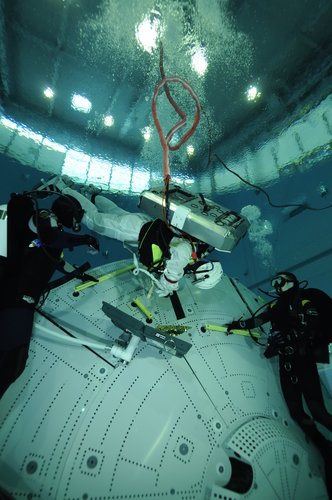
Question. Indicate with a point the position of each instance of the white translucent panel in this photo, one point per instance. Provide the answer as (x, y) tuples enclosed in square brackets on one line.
[(204, 185), (99, 172), (140, 180), (225, 180), (50, 160), (189, 181), (121, 177), (5, 136), (312, 132), (76, 165), (6, 122), (29, 134), (288, 148), (23, 149), (48, 143), (157, 177), (177, 179), (261, 166)]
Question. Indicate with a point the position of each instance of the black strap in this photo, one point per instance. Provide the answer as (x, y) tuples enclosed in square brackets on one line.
[(79, 272), (178, 309)]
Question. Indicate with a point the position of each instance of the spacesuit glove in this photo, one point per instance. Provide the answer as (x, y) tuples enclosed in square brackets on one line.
[(166, 287), (235, 325)]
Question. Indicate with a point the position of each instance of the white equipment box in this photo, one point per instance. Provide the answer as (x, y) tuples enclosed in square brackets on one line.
[(201, 218)]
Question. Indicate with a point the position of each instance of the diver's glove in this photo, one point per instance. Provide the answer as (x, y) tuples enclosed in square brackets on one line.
[(236, 325), (276, 341), (93, 243), (166, 287)]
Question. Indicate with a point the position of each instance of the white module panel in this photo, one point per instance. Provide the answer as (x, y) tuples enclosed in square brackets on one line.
[(81, 424)]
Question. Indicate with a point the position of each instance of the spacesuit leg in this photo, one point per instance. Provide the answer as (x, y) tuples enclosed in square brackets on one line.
[(106, 205), (114, 222), (126, 225)]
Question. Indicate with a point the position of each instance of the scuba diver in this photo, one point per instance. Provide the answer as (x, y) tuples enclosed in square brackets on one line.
[(34, 242), (300, 335), (161, 250)]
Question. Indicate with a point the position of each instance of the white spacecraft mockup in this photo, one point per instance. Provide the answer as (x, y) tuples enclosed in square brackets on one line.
[(161, 403)]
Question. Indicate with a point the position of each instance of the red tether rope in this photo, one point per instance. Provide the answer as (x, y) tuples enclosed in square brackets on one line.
[(165, 140)]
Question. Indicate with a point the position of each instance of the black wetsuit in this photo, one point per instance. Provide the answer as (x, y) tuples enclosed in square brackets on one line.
[(298, 322), (25, 274)]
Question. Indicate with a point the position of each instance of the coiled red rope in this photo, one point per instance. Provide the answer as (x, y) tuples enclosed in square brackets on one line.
[(165, 140)]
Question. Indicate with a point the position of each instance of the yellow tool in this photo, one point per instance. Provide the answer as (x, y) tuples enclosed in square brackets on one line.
[(142, 308), (218, 328), (78, 288), (173, 329)]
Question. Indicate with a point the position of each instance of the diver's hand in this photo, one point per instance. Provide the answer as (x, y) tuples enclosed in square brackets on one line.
[(276, 341), (235, 325), (166, 287), (93, 243)]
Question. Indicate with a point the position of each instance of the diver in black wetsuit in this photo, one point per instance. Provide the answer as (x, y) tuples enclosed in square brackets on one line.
[(35, 240), (300, 334)]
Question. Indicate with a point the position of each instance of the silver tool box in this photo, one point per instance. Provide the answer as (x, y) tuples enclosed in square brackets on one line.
[(208, 222)]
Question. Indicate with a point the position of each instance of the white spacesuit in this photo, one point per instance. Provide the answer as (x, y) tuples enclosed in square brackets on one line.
[(106, 218)]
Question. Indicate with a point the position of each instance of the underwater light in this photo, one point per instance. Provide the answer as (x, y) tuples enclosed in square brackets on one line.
[(198, 60), (81, 103), (190, 150), (252, 93), (48, 92), (108, 121), (146, 34), (146, 131)]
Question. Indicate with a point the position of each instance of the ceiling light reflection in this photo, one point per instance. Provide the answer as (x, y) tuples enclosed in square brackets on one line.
[(146, 131), (108, 121), (81, 103), (147, 33), (252, 93), (190, 150), (48, 92), (199, 61)]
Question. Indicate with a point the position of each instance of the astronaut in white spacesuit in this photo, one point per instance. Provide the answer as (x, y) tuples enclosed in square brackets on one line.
[(159, 248)]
